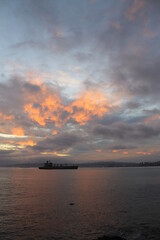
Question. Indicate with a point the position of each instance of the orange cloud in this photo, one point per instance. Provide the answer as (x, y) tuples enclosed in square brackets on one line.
[(17, 131), (91, 103), (46, 106), (54, 132), (52, 107), (115, 151), (120, 151), (34, 114), (6, 117), (27, 143), (143, 153), (56, 153)]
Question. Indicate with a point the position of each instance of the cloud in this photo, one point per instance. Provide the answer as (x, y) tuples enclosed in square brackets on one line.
[(135, 7), (31, 87), (89, 104), (132, 105), (18, 131), (122, 147), (79, 77), (127, 131), (144, 73), (6, 117), (27, 143), (49, 107), (60, 142), (36, 109)]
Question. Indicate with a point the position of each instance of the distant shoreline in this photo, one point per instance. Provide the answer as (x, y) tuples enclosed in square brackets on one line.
[(94, 165)]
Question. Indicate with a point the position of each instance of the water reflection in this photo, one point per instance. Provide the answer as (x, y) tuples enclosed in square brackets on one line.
[(37, 203)]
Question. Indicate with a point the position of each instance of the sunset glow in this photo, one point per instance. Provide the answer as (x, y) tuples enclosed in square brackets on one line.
[(79, 81)]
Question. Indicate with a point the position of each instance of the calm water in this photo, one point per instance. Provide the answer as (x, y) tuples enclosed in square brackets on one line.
[(34, 204)]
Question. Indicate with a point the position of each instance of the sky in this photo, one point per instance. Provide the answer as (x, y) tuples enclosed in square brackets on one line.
[(79, 80)]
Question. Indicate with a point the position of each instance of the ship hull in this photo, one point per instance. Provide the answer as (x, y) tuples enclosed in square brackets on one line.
[(58, 167)]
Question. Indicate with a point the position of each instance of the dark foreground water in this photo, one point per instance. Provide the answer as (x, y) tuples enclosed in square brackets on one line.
[(35, 204)]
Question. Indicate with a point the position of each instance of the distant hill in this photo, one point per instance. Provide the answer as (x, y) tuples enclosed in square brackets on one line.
[(149, 164), (109, 164), (95, 164)]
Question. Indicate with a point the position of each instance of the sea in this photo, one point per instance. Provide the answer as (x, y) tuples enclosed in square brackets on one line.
[(82, 204)]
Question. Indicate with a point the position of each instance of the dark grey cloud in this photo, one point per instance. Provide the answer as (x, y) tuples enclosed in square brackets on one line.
[(131, 46), (31, 87), (150, 112), (139, 74), (127, 131), (122, 147), (59, 143), (11, 94), (133, 105), (5, 152)]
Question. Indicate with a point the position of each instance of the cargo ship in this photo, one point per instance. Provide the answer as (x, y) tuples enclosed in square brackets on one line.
[(49, 166)]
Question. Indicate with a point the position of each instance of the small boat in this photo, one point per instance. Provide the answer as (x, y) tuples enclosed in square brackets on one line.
[(49, 166)]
